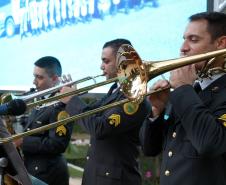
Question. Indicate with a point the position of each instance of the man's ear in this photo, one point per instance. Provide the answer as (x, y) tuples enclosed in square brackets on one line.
[(221, 42), (55, 78)]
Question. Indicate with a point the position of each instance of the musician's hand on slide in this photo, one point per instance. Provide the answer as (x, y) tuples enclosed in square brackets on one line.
[(183, 76), (18, 142), (159, 100), (67, 78), (64, 90)]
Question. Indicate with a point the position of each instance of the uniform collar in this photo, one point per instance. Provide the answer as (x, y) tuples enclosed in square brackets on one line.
[(205, 82)]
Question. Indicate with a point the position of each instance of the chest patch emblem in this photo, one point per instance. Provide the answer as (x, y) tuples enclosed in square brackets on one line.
[(114, 119), (62, 115), (223, 118), (130, 108), (61, 130)]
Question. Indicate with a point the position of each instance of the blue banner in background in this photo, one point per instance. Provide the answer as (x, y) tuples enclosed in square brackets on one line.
[(74, 31)]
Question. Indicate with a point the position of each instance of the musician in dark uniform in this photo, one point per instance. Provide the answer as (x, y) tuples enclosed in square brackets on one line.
[(188, 125), (114, 145), (43, 151)]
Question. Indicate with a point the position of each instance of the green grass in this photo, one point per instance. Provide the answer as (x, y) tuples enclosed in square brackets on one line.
[(75, 173), (74, 152), (76, 155)]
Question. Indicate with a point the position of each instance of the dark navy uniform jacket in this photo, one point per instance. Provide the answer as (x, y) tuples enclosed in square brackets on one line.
[(43, 151), (193, 139), (114, 145)]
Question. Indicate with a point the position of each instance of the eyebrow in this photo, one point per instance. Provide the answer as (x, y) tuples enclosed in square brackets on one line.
[(192, 35), (38, 76)]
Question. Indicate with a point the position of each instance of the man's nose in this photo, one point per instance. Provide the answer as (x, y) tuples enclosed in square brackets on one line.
[(184, 47), (35, 82), (102, 66)]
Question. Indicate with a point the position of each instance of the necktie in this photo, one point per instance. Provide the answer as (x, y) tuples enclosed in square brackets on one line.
[(113, 87)]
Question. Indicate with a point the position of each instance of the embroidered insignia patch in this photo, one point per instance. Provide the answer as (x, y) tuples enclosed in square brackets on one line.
[(130, 108), (61, 130), (62, 115), (114, 119), (223, 118)]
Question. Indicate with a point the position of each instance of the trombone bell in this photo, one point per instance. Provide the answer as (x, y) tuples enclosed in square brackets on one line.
[(135, 74), (131, 72)]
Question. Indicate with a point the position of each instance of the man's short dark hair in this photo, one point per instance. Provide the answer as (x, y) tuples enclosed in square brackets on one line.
[(116, 43), (216, 23), (50, 64)]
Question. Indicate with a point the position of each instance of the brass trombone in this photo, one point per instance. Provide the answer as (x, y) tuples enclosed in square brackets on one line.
[(133, 76), (30, 97), (75, 92)]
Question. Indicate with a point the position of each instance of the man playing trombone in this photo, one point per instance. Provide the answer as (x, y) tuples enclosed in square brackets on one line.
[(43, 151), (188, 125), (113, 153)]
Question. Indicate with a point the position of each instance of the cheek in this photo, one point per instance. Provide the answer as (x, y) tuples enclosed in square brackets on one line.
[(113, 66), (42, 84), (109, 68), (203, 47), (197, 49)]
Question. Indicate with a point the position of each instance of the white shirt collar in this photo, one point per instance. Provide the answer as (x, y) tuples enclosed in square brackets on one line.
[(118, 85), (205, 82)]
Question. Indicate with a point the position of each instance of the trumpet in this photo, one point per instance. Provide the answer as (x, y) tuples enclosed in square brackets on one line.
[(133, 76)]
